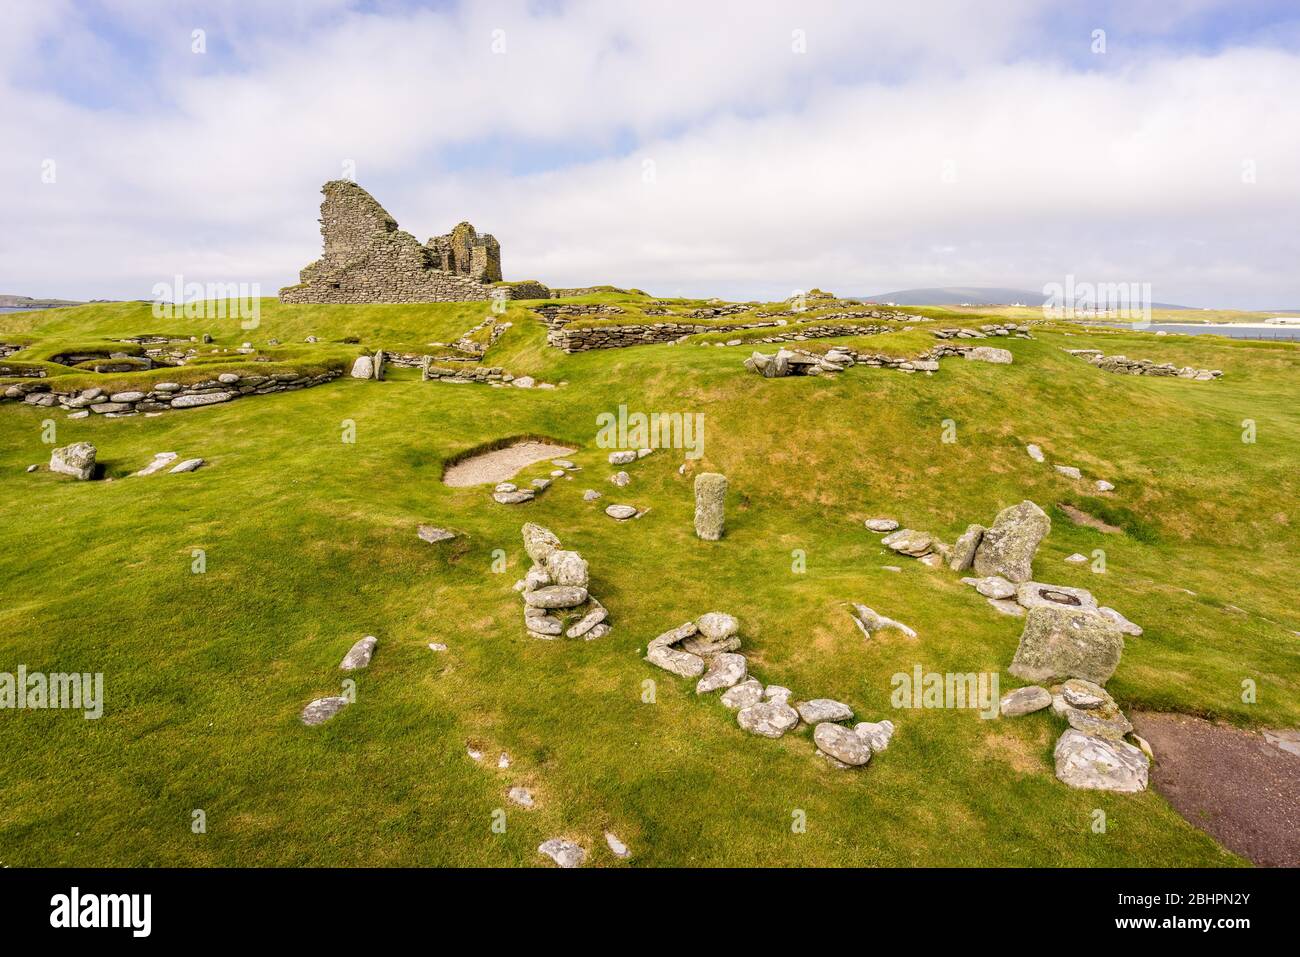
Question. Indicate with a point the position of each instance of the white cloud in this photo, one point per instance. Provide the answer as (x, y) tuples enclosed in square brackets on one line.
[(775, 170)]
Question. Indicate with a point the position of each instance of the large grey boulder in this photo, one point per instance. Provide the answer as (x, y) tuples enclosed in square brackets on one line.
[(556, 596), (1067, 643), (710, 505), (567, 568), (1007, 548), (1024, 701), (771, 719), (995, 586), (725, 671), (749, 691), (1040, 595), (359, 655), (77, 460), (1100, 764), (963, 550), (842, 744), (716, 634), (824, 709), (363, 368)]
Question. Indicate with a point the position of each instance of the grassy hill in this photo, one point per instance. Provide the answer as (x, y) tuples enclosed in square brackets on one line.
[(310, 543)]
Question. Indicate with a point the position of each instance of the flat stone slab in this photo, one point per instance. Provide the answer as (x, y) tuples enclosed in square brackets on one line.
[(189, 465), (881, 525), (432, 534), (322, 709), (621, 512), (1025, 701), (1099, 764), (819, 710), (564, 853), (681, 663), (742, 695), (842, 744), (771, 719)]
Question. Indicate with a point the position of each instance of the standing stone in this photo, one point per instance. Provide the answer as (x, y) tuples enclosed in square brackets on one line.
[(379, 364), (1007, 548), (963, 550), (363, 368), (77, 460), (1061, 642), (710, 505)]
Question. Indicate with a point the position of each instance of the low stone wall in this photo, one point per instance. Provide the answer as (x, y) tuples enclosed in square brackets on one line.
[(21, 372), (1126, 366), (163, 395)]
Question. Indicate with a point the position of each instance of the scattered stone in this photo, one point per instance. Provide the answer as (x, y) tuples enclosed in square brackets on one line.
[(205, 398), (842, 744), (541, 484), (32, 468), (432, 534), (564, 853), (907, 541), (1039, 595), (521, 796), (474, 753), (1067, 643), (824, 709), (503, 761), (877, 734), (710, 505), (77, 460), (1007, 606), (881, 525), (621, 479), (1076, 558), (189, 465), (617, 847), (437, 646), (590, 495), (322, 709), (725, 671), (1069, 471), (1144, 746), (995, 586), (990, 354), (625, 457), (1025, 701), (1091, 763), (749, 691), (160, 461), (359, 655), (1287, 739), (963, 550), (1125, 626), (1078, 693), (620, 512), (771, 719), (1035, 452), (515, 497), (933, 560), (1007, 548), (870, 621), (1104, 486), (556, 596)]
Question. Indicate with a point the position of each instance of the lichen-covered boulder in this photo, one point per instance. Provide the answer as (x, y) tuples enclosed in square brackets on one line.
[(710, 505), (963, 550), (725, 671), (363, 368), (77, 460), (842, 744), (771, 719), (359, 655), (567, 568), (1067, 643), (1024, 701), (1007, 547), (539, 542), (1100, 764)]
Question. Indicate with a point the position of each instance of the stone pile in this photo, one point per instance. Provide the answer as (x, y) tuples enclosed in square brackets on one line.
[(707, 650), (1126, 366), (162, 396), (790, 362), (989, 330), (555, 591), (1069, 471), (511, 493), (322, 709)]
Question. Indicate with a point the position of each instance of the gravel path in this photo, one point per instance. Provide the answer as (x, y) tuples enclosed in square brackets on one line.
[(503, 464)]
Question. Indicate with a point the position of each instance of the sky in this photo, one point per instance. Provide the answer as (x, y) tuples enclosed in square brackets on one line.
[(736, 149)]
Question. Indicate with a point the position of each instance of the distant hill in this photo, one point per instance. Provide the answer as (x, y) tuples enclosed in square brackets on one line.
[(8, 301), (973, 295)]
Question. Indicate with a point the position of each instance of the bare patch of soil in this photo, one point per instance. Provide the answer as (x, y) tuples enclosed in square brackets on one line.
[(1080, 517), (499, 465), (1232, 784)]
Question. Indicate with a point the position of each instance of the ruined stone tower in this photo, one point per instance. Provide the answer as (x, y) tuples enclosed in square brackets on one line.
[(368, 259)]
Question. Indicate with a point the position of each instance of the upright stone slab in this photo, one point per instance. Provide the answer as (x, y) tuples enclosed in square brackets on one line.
[(77, 460), (710, 505), (1007, 548)]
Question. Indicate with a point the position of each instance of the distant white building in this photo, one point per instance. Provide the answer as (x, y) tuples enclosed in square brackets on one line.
[(1283, 321)]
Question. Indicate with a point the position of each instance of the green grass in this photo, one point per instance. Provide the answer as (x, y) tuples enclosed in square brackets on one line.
[(310, 544)]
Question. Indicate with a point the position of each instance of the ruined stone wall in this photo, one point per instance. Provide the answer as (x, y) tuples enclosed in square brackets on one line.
[(162, 396), (367, 258)]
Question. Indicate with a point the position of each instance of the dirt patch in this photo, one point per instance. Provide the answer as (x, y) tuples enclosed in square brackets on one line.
[(1080, 517), (1230, 783), (498, 465)]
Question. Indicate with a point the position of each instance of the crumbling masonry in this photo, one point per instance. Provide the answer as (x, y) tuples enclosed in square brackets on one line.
[(368, 259)]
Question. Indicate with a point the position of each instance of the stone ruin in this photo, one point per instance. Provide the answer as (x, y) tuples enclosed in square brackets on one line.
[(368, 259)]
